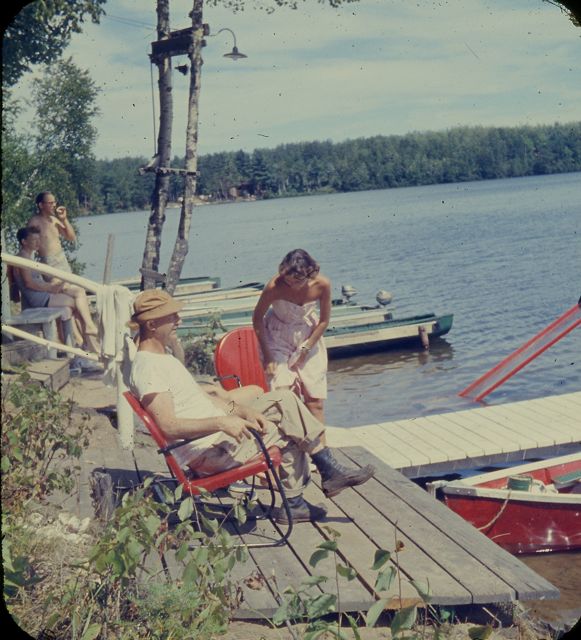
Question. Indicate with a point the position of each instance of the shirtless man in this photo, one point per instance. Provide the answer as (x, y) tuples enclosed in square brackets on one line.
[(53, 223)]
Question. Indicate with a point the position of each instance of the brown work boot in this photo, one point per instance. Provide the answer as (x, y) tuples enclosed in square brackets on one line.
[(301, 511), (336, 476)]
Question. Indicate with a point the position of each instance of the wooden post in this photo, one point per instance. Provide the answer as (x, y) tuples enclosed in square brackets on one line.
[(6, 310), (108, 259), (125, 425)]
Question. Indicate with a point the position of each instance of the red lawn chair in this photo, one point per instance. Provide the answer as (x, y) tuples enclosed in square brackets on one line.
[(237, 360), (268, 460)]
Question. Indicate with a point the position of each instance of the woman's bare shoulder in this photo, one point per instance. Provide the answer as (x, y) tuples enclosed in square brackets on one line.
[(272, 285), (323, 282)]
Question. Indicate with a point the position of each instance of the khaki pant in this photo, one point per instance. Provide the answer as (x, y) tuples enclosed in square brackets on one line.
[(297, 432)]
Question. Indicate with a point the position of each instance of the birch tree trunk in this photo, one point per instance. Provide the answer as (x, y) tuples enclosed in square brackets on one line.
[(191, 159), (159, 198)]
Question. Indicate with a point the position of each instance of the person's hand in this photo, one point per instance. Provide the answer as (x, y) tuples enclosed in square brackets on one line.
[(301, 359), (235, 427), (58, 287), (270, 368), (258, 420), (61, 213)]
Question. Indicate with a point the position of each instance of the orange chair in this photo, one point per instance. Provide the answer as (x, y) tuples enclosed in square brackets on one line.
[(268, 460), (237, 360)]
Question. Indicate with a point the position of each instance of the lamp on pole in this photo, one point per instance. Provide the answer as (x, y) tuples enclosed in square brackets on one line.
[(234, 54)]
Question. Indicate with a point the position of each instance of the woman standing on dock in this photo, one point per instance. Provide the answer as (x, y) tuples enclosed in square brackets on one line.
[(290, 319)]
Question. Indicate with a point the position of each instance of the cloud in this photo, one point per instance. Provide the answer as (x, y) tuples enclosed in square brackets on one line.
[(367, 68)]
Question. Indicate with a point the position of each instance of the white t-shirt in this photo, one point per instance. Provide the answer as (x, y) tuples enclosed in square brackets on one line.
[(159, 373)]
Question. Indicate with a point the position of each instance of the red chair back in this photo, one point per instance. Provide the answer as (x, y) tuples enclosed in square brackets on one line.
[(238, 354), (157, 435)]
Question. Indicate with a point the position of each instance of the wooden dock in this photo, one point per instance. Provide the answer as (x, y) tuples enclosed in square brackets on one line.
[(440, 550), (485, 435), (461, 566)]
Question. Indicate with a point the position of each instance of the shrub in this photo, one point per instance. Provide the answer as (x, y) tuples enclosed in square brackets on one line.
[(38, 432)]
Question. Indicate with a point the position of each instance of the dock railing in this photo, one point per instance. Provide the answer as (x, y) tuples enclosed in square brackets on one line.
[(124, 413)]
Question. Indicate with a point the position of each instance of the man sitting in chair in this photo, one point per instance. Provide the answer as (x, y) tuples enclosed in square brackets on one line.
[(220, 428)]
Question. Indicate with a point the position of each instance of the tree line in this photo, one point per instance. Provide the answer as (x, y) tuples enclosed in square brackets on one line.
[(378, 162)]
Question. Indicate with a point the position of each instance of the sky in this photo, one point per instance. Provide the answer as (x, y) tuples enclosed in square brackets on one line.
[(374, 67)]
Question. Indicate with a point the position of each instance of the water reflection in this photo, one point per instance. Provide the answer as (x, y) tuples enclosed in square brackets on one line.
[(395, 384), (374, 363)]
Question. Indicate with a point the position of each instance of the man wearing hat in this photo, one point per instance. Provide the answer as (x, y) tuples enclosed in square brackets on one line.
[(222, 440)]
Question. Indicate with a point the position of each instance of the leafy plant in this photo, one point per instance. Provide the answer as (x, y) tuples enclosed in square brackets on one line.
[(302, 602), (199, 350), (113, 591), (40, 440)]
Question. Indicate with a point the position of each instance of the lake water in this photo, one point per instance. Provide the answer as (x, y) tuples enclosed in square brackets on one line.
[(503, 256)]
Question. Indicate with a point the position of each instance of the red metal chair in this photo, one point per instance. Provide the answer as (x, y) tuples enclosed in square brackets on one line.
[(237, 360), (267, 461)]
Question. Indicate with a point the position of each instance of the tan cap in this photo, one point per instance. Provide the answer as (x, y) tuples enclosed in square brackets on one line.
[(154, 303)]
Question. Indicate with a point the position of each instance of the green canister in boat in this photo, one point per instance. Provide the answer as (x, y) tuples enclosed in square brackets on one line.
[(520, 483)]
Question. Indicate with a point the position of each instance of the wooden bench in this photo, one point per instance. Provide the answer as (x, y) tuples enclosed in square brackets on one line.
[(46, 318)]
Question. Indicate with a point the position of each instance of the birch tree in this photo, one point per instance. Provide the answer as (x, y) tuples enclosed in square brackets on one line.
[(162, 158)]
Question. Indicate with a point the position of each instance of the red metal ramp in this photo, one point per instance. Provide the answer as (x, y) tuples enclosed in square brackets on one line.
[(523, 355)]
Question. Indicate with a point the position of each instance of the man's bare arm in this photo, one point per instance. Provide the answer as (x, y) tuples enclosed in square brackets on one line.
[(161, 407)]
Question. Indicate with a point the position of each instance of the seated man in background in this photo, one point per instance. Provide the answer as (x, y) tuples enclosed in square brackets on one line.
[(35, 292), (220, 428)]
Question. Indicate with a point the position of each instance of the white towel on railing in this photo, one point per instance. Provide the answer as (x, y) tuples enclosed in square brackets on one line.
[(115, 307)]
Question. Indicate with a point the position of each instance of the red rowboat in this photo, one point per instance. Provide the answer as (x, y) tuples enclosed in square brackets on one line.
[(529, 508)]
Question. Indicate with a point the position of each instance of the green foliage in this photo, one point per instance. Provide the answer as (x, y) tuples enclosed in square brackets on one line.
[(199, 350), (379, 162), (197, 604), (480, 632), (40, 32), (57, 155), (305, 602), (108, 591), (38, 433), (18, 570)]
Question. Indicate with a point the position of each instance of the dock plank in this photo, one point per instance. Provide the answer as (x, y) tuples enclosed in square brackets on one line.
[(451, 571), (413, 561), (461, 565), (393, 438), (377, 436), (553, 415), (506, 440), (438, 449), (483, 435), (534, 420), (475, 443), (507, 567), (441, 448)]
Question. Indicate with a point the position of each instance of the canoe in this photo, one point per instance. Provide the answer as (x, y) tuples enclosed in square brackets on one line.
[(244, 294), (529, 508), (237, 312), (185, 287), (353, 334), (393, 332)]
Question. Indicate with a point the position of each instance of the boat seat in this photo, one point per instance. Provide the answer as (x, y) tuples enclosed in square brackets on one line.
[(567, 479)]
